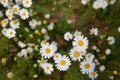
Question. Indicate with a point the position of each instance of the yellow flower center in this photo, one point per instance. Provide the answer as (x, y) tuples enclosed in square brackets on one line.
[(76, 54), (23, 14), (14, 21), (47, 50), (27, 1), (3, 21), (80, 43), (47, 67), (42, 61), (93, 74), (87, 66), (97, 4), (4, 1), (11, 33), (62, 62), (15, 9)]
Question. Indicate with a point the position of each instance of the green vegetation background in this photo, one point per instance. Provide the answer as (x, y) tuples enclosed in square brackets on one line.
[(84, 18)]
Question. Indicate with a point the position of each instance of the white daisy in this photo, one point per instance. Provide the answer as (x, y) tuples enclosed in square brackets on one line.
[(77, 33), (87, 66), (4, 2), (93, 75), (77, 54), (104, 4), (50, 26), (94, 31), (111, 40), (4, 22), (16, 9), (48, 50), (27, 3), (56, 57), (89, 56), (14, 24), (4, 31), (33, 23), (102, 68), (42, 62), (112, 1), (9, 13), (21, 44), (1, 14), (81, 42), (63, 63), (29, 49), (84, 2), (97, 4), (47, 15), (24, 14), (10, 33), (48, 68), (18, 1), (44, 42), (46, 37), (68, 36)]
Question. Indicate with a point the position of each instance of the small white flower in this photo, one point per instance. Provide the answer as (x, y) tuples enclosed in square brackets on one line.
[(97, 4), (9, 14), (108, 51), (77, 33), (81, 42), (87, 66), (47, 16), (29, 49), (33, 23), (112, 1), (16, 9), (63, 63), (89, 56), (4, 22), (48, 50), (94, 31), (84, 2), (24, 14), (27, 3), (104, 4), (102, 68), (21, 44), (68, 36), (111, 40), (94, 47), (56, 57), (4, 31), (51, 26), (93, 75), (4, 2), (43, 30), (48, 68), (119, 29), (77, 54), (46, 37), (10, 75), (10, 33), (14, 24), (1, 14)]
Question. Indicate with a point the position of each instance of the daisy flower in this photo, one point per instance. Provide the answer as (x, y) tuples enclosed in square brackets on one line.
[(94, 31), (84, 2), (76, 54), (18, 1), (50, 26), (4, 31), (63, 63), (9, 13), (4, 2), (80, 42), (42, 62), (112, 1), (89, 56), (68, 36), (27, 3), (21, 44), (44, 42), (10, 33), (118, 29), (10, 75), (33, 23), (87, 66), (48, 50), (111, 40), (47, 15), (16, 9), (93, 75), (1, 14), (24, 14), (56, 57), (48, 68), (97, 4), (77, 33), (14, 24), (102, 68), (4, 22), (104, 4)]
